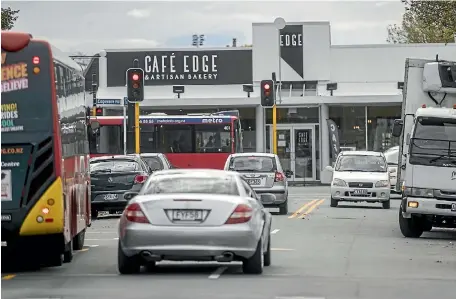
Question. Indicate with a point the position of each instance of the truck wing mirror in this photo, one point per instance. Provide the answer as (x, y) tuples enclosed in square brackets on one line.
[(397, 127)]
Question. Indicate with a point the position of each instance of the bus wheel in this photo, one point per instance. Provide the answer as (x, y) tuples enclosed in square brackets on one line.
[(53, 259), (68, 254), (78, 241)]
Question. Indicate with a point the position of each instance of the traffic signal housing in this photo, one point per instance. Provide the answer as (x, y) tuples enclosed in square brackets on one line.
[(99, 111), (267, 93), (135, 85)]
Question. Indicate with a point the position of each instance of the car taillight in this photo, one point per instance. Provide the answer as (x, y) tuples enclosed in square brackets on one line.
[(139, 179), (134, 213), (242, 214), (279, 177)]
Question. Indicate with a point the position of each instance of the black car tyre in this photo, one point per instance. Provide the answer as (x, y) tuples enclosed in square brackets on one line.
[(255, 264), (94, 214), (410, 227), (386, 204), (334, 203), (267, 254), (126, 264)]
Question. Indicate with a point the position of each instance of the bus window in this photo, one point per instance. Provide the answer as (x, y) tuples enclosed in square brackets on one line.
[(149, 139), (213, 138), (175, 139), (107, 140)]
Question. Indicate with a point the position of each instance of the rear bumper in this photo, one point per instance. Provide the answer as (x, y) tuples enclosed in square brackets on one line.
[(280, 193), (99, 203), (189, 243)]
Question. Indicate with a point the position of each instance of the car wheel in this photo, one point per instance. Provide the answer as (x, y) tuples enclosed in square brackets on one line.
[(94, 214), (334, 203), (410, 227), (254, 264), (283, 209), (267, 254), (386, 204), (126, 264), (78, 241), (68, 254)]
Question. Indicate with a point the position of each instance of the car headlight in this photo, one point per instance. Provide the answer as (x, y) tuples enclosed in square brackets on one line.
[(339, 183), (381, 184), (418, 192)]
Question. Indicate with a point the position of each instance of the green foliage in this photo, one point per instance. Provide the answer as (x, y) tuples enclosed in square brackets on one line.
[(9, 16), (425, 22)]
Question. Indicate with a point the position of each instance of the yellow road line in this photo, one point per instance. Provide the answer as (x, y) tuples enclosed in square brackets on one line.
[(8, 277), (302, 208), (311, 208)]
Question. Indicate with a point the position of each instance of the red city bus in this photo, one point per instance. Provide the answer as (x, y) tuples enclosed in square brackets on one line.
[(189, 141), (45, 153)]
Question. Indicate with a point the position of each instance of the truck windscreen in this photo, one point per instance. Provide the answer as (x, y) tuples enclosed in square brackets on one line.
[(26, 94), (434, 142)]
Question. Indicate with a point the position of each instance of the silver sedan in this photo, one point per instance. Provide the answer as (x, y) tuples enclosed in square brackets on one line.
[(213, 216)]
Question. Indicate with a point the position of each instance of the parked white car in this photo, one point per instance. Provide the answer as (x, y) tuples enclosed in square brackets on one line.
[(360, 176), (392, 158)]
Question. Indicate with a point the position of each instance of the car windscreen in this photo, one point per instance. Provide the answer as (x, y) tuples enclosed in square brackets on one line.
[(361, 163), (154, 163), (114, 165), (202, 185), (253, 164)]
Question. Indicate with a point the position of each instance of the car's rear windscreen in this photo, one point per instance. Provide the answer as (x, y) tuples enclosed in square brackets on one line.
[(253, 164)]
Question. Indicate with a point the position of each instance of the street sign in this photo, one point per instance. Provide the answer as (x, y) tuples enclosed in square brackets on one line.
[(112, 102)]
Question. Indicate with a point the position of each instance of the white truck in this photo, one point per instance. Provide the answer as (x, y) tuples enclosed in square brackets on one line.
[(427, 153)]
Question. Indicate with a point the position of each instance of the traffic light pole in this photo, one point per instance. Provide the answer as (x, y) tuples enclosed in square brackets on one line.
[(131, 132), (137, 135), (274, 129)]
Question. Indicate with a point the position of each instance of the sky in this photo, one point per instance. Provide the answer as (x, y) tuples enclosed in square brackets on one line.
[(90, 26)]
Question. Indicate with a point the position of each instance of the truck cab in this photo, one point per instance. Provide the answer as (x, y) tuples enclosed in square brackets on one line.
[(427, 159)]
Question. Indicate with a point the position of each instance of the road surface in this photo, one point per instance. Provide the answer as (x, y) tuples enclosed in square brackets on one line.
[(353, 251)]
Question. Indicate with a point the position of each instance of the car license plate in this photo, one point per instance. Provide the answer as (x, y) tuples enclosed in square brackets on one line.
[(111, 196), (6, 217), (360, 191), (453, 207), (254, 182), (187, 215)]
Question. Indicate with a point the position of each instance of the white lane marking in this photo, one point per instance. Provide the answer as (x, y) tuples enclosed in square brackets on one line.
[(102, 239), (217, 273), (275, 231), (104, 232), (91, 245)]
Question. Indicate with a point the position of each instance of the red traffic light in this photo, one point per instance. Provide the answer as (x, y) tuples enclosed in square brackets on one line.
[(135, 77), (267, 87)]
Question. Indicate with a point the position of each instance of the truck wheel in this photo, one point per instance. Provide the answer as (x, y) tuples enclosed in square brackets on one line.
[(94, 214), (267, 254), (255, 264), (334, 203), (127, 264), (427, 225), (410, 227), (387, 204), (68, 254), (78, 241), (53, 259)]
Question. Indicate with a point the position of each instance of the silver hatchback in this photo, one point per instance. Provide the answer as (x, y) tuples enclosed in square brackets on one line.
[(264, 173)]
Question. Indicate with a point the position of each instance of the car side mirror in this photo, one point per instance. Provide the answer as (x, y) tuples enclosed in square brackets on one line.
[(267, 198), (289, 173), (329, 168), (397, 127)]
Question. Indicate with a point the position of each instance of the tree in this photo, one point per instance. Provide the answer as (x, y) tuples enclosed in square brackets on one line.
[(9, 16), (425, 22)]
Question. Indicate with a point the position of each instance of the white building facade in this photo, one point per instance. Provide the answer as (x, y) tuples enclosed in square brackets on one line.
[(363, 103)]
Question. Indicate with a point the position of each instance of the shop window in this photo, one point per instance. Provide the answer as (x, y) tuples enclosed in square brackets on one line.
[(351, 124), (380, 120), (309, 115)]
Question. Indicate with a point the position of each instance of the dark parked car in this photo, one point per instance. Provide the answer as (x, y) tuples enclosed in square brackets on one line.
[(115, 180)]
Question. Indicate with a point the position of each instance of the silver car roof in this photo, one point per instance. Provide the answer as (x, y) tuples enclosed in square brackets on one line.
[(253, 154)]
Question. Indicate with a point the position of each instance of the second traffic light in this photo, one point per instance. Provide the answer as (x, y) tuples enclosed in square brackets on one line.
[(267, 93), (135, 85)]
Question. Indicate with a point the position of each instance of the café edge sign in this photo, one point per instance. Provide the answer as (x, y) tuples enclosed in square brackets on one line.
[(211, 67)]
